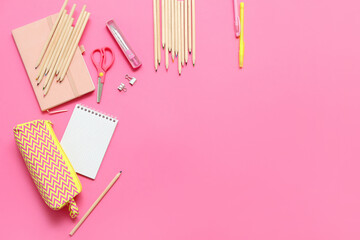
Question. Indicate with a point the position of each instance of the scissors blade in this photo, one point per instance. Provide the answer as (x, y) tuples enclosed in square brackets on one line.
[(99, 91)]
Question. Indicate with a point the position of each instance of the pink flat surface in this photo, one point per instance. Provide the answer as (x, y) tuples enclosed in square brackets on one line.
[(267, 152)]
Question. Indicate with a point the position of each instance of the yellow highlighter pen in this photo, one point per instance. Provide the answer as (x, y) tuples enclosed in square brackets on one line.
[(241, 47)]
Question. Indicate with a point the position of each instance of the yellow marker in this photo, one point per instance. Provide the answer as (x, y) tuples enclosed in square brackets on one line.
[(241, 47)]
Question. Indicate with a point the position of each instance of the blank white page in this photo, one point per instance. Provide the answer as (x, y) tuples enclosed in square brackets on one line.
[(86, 139)]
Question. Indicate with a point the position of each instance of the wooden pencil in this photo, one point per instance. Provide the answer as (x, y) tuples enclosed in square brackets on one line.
[(158, 30), (57, 48), (70, 46), (179, 27), (182, 48), (70, 41), (74, 46), (193, 31), (163, 10), (52, 69), (179, 37), (155, 35), (49, 51), (63, 51), (166, 34), (60, 15), (189, 25), (176, 26), (169, 24), (186, 50), (80, 20), (164, 21), (95, 203), (56, 42), (173, 29)]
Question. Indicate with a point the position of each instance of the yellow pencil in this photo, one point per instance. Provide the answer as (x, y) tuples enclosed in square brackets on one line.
[(241, 47)]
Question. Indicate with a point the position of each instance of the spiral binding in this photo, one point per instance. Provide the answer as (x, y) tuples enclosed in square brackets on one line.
[(97, 113)]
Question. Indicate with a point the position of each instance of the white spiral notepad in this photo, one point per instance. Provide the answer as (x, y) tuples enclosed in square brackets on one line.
[(86, 139)]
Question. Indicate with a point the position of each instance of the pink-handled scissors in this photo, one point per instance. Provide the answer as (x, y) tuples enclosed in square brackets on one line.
[(101, 67)]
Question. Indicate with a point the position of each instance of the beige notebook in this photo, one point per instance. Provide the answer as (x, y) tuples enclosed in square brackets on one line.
[(30, 40)]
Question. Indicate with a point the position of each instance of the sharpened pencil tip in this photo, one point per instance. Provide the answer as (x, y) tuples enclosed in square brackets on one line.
[(120, 171), (38, 84)]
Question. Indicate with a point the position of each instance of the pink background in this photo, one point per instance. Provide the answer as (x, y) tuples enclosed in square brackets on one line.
[(267, 152)]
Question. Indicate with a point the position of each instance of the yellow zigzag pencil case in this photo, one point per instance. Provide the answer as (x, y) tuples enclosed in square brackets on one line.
[(48, 165)]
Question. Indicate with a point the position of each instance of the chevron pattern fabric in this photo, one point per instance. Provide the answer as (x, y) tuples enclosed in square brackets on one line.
[(46, 164), (73, 208)]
